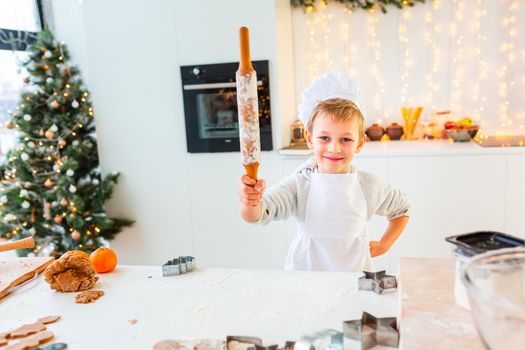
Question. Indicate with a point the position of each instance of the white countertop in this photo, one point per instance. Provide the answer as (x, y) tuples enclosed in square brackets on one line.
[(419, 148), (210, 303)]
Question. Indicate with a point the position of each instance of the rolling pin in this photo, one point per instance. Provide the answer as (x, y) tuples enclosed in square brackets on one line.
[(28, 242), (248, 108)]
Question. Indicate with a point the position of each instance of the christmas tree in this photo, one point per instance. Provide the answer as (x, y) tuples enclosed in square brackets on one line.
[(51, 187)]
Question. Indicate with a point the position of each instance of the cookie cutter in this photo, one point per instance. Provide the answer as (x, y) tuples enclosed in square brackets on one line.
[(377, 281), (178, 266), (372, 331), (256, 343), (55, 346), (329, 339)]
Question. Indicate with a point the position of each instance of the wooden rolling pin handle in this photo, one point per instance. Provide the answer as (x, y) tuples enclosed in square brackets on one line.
[(28, 242), (245, 63)]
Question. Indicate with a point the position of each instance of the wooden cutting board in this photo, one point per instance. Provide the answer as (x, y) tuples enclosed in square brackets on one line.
[(15, 271)]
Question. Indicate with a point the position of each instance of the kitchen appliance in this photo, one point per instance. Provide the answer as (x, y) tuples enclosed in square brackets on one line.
[(474, 243), (210, 107), (495, 282)]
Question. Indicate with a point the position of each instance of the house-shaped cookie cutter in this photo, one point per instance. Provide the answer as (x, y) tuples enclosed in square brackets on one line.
[(178, 266), (372, 331), (377, 281)]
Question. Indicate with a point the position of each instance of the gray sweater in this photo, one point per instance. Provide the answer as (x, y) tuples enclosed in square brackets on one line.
[(289, 196)]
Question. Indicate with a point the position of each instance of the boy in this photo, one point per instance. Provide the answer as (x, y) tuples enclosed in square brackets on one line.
[(331, 199)]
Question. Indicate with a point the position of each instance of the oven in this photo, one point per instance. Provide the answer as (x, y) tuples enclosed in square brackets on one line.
[(210, 107)]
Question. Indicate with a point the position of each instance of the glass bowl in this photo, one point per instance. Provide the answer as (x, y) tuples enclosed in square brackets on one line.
[(462, 135), (495, 283)]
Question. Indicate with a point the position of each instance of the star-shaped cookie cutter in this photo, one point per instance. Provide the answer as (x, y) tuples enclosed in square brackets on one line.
[(372, 331), (377, 281), (178, 266)]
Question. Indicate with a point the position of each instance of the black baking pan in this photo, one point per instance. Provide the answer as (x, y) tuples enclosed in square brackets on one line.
[(470, 244)]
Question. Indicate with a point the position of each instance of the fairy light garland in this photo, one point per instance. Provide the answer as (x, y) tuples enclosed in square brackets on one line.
[(507, 82), (405, 59), (460, 73), (375, 44)]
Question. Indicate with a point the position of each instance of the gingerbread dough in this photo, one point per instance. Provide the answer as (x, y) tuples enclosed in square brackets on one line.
[(3, 338), (48, 319), (73, 272), (88, 296), (32, 341), (27, 329)]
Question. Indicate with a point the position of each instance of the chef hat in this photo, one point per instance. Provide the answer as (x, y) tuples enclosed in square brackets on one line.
[(328, 86)]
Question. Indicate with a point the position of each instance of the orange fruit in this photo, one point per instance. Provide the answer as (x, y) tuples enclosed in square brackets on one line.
[(103, 260)]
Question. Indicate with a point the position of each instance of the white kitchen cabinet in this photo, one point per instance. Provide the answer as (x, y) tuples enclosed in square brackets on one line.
[(450, 195), (515, 192)]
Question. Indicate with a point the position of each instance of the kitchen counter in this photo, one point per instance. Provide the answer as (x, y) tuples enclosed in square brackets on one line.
[(210, 303), (273, 305), (419, 148), (430, 317)]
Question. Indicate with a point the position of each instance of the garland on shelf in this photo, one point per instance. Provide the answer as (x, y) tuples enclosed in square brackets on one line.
[(369, 5)]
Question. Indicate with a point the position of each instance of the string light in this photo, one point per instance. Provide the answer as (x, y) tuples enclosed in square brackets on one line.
[(379, 88), (405, 59), (461, 71)]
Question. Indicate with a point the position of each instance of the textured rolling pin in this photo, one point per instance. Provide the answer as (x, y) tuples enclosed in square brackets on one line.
[(248, 107), (28, 242)]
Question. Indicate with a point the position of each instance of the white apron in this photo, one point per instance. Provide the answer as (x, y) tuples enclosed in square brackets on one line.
[(333, 236)]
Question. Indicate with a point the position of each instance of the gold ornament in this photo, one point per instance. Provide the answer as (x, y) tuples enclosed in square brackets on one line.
[(48, 183), (49, 135), (55, 104), (62, 143), (75, 235), (63, 202), (9, 124)]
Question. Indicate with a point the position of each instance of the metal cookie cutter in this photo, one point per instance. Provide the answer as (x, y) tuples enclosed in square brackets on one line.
[(377, 281), (329, 339), (178, 266), (250, 343), (372, 331)]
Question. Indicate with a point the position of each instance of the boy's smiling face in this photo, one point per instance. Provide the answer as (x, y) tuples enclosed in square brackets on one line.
[(335, 143)]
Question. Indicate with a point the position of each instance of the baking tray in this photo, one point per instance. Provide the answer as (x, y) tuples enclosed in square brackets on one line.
[(470, 244)]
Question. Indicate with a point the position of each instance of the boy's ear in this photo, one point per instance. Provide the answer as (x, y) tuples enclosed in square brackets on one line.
[(308, 135), (360, 144)]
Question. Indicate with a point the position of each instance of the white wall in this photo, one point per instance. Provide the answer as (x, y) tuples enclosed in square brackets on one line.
[(184, 204)]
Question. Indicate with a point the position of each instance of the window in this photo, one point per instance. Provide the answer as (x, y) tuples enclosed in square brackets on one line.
[(20, 20)]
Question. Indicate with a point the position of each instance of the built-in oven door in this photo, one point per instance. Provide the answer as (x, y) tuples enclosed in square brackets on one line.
[(210, 108)]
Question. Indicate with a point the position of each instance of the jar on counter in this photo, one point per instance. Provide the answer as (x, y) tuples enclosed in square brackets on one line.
[(394, 131), (297, 132), (375, 132)]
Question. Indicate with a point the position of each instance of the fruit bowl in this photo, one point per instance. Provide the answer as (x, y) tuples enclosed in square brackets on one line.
[(463, 135), (495, 283)]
